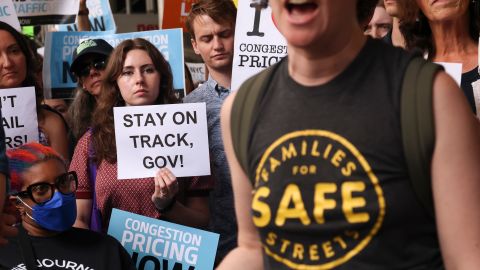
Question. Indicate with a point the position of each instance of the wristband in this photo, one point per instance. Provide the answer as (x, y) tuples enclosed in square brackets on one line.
[(168, 207)]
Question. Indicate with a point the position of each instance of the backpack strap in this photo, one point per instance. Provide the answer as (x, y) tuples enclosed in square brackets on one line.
[(243, 111), (418, 127)]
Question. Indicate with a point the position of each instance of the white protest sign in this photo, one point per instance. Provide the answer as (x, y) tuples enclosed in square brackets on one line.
[(258, 43), (8, 14), (197, 70), (34, 12), (454, 70), (19, 116), (152, 137)]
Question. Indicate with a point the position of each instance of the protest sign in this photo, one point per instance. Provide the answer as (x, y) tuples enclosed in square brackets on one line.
[(176, 13), (8, 14), (35, 12), (157, 244), (152, 137), (258, 43), (100, 17), (19, 116), (454, 70), (197, 70), (59, 82)]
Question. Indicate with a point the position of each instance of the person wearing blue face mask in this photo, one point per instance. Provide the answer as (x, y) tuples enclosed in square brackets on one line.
[(44, 195)]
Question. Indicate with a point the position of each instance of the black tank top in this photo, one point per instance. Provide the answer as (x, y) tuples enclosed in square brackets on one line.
[(331, 187)]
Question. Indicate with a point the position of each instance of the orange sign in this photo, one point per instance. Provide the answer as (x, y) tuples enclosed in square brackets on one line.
[(175, 13)]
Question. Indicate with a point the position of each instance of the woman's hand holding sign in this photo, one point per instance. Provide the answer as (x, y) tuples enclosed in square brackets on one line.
[(166, 187)]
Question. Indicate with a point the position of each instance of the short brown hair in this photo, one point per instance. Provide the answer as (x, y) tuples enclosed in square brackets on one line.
[(365, 9), (221, 11)]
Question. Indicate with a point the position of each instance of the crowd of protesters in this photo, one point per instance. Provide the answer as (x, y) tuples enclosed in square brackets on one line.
[(336, 98)]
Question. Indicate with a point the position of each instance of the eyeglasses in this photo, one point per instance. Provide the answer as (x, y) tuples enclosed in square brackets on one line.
[(96, 64), (41, 193)]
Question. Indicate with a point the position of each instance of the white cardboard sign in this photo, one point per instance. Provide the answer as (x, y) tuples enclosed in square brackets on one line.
[(19, 116), (258, 43), (152, 137), (8, 14)]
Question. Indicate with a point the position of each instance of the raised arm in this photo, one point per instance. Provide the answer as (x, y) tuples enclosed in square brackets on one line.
[(83, 22), (456, 176), (249, 248)]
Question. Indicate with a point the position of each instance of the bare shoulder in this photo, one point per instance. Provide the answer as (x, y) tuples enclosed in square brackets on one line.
[(450, 104), (52, 120), (227, 105)]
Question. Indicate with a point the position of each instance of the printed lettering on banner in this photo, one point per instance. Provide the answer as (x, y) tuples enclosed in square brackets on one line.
[(152, 137), (19, 116), (8, 14), (59, 82), (41, 12), (153, 243), (258, 43)]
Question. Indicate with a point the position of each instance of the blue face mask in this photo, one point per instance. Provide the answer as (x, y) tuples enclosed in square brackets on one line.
[(58, 214)]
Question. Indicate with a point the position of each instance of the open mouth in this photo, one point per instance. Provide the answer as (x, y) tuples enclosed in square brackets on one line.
[(300, 6)]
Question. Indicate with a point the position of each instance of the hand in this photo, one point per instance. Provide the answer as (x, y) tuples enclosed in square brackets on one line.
[(166, 187), (6, 227)]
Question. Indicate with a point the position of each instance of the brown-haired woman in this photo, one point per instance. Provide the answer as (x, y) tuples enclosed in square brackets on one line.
[(448, 31), (19, 68), (136, 74)]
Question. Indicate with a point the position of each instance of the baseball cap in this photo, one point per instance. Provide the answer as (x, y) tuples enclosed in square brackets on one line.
[(87, 47)]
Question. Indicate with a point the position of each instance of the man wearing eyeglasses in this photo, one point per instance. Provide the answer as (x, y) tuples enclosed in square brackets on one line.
[(44, 194)]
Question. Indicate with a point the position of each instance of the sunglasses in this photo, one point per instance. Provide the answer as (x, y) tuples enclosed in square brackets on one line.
[(43, 192), (96, 64)]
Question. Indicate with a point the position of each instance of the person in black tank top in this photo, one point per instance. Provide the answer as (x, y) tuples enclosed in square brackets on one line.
[(327, 184)]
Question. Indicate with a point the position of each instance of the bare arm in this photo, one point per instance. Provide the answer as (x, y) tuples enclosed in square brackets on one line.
[(249, 248), (194, 212), (56, 131), (83, 22), (456, 176), (84, 212)]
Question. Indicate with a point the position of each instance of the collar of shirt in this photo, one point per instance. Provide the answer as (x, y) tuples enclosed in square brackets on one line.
[(212, 84)]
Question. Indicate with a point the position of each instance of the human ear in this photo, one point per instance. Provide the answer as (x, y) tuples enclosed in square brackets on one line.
[(194, 45)]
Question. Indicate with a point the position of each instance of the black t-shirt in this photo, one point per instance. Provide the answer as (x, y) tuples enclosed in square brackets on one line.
[(73, 249), (331, 186)]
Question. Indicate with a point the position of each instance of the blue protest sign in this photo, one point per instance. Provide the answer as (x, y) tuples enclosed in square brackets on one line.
[(100, 16), (157, 244), (59, 46)]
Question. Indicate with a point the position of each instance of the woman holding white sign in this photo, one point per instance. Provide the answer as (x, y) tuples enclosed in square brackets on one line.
[(17, 69), (136, 74)]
